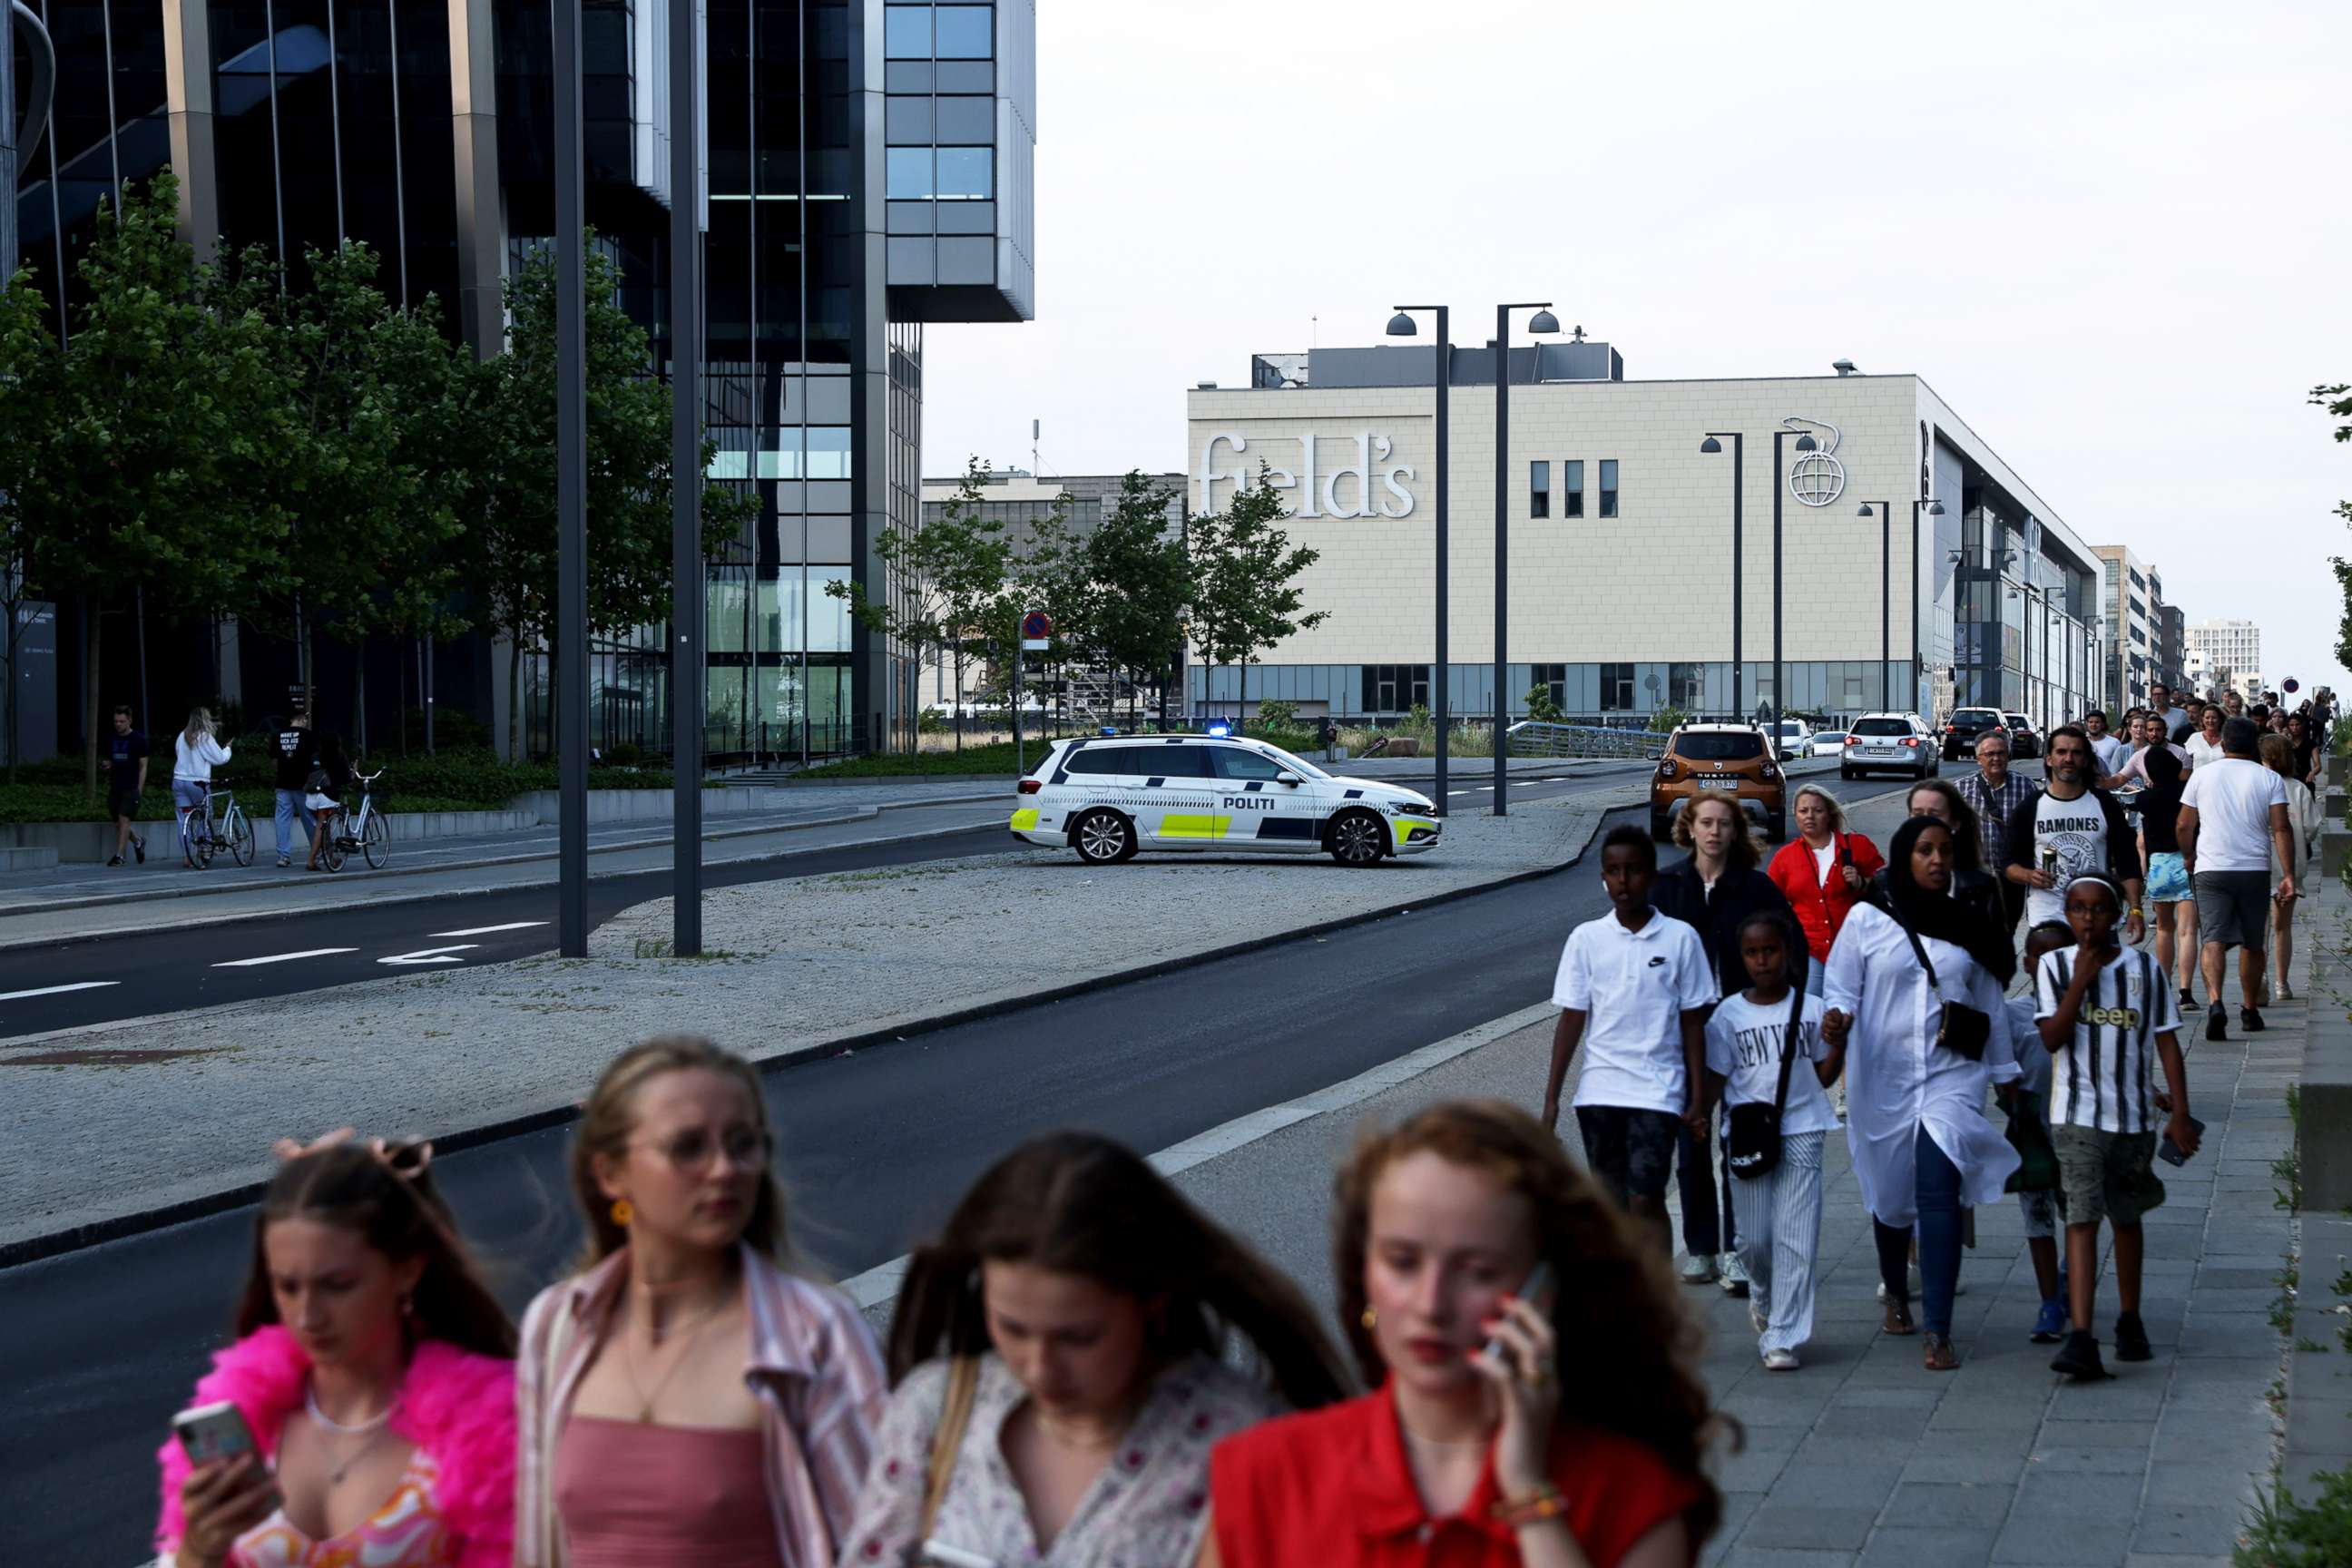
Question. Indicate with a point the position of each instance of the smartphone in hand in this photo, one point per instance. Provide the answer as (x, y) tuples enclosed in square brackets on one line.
[(2170, 1152), (212, 1432), (1537, 1288)]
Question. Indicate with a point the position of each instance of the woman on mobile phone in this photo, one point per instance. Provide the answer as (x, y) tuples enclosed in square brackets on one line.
[(1059, 1354), (685, 1397), (373, 1373), (1909, 983), (1481, 1446)]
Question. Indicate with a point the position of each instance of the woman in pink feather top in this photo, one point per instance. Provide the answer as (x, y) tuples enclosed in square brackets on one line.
[(375, 1374)]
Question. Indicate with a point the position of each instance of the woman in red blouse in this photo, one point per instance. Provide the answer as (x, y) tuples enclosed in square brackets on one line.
[(1823, 872), (1467, 1454)]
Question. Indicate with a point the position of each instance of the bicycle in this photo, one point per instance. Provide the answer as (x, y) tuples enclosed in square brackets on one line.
[(367, 832), (231, 830)]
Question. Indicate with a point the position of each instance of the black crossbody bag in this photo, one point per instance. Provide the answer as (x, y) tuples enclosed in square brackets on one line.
[(1752, 1145), (1961, 1029)]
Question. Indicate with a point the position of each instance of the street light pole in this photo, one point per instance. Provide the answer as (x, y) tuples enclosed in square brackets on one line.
[(1542, 321), (1933, 508), (1401, 325), (1738, 488), (1885, 593), (1805, 443), (571, 492), (686, 603)]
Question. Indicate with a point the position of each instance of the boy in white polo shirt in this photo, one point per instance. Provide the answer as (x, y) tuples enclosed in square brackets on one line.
[(1633, 987)]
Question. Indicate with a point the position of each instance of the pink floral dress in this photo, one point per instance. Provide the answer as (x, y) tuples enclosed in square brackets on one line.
[(1145, 1509)]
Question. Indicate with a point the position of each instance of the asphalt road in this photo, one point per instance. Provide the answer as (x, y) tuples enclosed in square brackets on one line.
[(105, 1344), (89, 981)]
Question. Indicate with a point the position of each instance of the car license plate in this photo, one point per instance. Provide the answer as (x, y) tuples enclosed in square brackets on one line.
[(1882, 752), (1717, 781)]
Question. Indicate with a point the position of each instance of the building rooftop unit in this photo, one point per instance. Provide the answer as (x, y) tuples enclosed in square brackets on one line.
[(1411, 364)]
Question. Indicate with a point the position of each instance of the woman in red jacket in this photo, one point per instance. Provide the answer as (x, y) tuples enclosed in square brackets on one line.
[(1822, 873)]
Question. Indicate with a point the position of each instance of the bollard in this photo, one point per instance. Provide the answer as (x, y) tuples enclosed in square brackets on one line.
[(2332, 844), (2340, 769)]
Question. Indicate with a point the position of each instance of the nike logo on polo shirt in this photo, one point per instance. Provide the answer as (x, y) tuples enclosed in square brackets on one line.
[(1657, 964)]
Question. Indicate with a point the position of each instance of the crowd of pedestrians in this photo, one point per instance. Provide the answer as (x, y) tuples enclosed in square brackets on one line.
[(311, 768)]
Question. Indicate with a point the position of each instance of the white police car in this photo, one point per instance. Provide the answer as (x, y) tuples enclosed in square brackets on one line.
[(1112, 797)]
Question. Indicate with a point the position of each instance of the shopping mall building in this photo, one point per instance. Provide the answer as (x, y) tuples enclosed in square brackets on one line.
[(1846, 539)]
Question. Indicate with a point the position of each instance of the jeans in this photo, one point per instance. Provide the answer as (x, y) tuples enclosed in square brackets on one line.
[(290, 807), (1939, 1203), (1707, 1226)]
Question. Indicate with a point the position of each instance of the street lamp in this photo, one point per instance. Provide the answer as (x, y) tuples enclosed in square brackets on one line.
[(1933, 508), (1401, 325), (1710, 447), (1541, 323), (1805, 443), (1885, 593)]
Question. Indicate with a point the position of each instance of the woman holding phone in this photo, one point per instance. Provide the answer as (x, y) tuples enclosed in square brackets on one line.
[(1473, 1260), (366, 1412), (1059, 1353), (686, 1397)]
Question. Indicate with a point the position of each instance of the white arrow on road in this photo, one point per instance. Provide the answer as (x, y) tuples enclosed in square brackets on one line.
[(431, 954)]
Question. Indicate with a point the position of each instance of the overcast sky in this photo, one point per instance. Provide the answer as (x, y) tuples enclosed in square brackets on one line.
[(2113, 237)]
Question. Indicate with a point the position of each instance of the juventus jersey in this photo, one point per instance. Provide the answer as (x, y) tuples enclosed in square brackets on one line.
[(2107, 1076)]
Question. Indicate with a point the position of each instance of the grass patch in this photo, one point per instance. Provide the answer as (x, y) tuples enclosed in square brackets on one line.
[(2287, 1169), (2283, 1304), (2310, 1346), (2281, 1532)]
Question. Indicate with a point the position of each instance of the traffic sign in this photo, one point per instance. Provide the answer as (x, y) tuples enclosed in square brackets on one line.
[(2290, 688), (1036, 625)]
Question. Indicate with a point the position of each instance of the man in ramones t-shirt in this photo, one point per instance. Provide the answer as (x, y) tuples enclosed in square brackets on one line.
[(2068, 829)]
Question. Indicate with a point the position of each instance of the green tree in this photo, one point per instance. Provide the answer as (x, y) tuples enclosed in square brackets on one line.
[(134, 447), (1540, 705), (1139, 584), (506, 452), (2337, 400), (1244, 572), (952, 578)]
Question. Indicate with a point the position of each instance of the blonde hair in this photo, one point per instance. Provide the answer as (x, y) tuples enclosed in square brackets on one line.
[(2277, 753), (1744, 851), (200, 724), (611, 1116), (1836, 810)]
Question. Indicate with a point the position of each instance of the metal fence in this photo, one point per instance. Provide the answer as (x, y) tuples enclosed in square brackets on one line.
[(1532, 738)]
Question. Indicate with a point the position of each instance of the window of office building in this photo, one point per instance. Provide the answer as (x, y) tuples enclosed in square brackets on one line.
[(1571, 475), (1616, 689), (1553, 679), (1395, 687), (1538, 489), (1609, 487), (1687, 687)]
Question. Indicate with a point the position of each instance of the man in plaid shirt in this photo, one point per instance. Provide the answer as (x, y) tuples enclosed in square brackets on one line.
[(1993, 792)]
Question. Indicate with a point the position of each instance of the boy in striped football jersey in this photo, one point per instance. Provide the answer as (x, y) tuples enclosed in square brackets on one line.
[(2107, 1016)]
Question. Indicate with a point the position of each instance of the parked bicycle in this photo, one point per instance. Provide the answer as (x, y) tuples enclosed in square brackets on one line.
[(204, 833), (364, 830)]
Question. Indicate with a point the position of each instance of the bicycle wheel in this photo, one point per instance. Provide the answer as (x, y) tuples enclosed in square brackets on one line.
[(240, 835), (207, 841), (375, 841)]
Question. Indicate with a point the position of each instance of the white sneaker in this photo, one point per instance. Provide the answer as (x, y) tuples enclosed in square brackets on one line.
[(1698, 1269), (1780, 1361), (1734, 1274)]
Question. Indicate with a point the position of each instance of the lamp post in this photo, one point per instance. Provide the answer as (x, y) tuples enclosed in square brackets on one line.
[(1710, 447), (1401, 325), (1542, 322), (1933, 508), (686, 607), (571, 494), (1886, 592), (1805, 443)]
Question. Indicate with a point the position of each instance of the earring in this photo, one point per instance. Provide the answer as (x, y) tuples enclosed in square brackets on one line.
[(623, 1213), (409, 1306), (1371, 1319)]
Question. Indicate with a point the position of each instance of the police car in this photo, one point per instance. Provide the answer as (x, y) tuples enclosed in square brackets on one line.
[(1110, 797)]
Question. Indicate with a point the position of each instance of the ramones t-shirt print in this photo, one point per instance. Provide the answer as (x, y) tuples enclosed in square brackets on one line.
[(2077, 829)]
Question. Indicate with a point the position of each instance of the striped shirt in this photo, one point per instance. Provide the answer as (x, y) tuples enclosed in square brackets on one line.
[(812, 1367), (2104, 1077), (1992, 807)]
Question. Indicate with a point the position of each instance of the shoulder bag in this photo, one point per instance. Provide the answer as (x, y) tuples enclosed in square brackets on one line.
[(947, 1441), (1961, 1029), (1753, 1142)]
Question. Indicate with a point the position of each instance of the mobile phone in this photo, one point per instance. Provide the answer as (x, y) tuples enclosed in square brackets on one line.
[(2170, 1152), (1537, 1286), (212, 1432), (939, 1555)]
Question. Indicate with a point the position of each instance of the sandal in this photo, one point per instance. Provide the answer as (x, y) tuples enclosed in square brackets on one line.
[(1898, 1320), (1936, 1355)]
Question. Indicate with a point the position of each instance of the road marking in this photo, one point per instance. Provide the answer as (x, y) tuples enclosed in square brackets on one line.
[(881, 1283), (284, 957), (435, 954), (486, 931), (59, 990)]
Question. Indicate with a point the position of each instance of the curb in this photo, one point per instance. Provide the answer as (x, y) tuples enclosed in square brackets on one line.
[(204, 889), (74, 1238)]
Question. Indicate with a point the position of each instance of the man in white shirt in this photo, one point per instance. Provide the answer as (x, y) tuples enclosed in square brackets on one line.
[(2176, 720), (2109, 750), (2233, 815), (1635, 988)]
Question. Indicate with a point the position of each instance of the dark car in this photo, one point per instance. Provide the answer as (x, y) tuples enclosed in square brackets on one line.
[(2024, 739), (1961, 730)]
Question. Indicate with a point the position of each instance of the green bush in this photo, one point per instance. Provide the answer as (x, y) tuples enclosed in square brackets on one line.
[(996, 757), (1277, 716), (1541, 707), (2282, 1533)]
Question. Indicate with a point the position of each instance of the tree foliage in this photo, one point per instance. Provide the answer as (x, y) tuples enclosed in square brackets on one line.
[(1245, 573), (2337, 400)]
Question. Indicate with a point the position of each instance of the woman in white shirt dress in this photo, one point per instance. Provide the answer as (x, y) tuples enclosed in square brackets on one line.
[(1922, 1146)]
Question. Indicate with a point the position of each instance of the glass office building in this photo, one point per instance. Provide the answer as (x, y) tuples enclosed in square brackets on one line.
[(866, 170)]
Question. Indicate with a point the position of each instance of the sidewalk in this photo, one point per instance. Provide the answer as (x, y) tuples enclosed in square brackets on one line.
[(1863, 1457)]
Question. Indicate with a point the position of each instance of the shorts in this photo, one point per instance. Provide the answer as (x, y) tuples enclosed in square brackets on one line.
[(2107, 1175), (2168, 878), (188, 794), (2041, 1212), (315, 802), (1631, 1151), (122, 803), (2233, 909)]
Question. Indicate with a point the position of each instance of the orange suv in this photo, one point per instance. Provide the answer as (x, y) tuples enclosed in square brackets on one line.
[(1731, 760)]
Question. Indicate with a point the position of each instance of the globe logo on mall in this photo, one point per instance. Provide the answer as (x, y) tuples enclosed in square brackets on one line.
[(1817, 479)]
